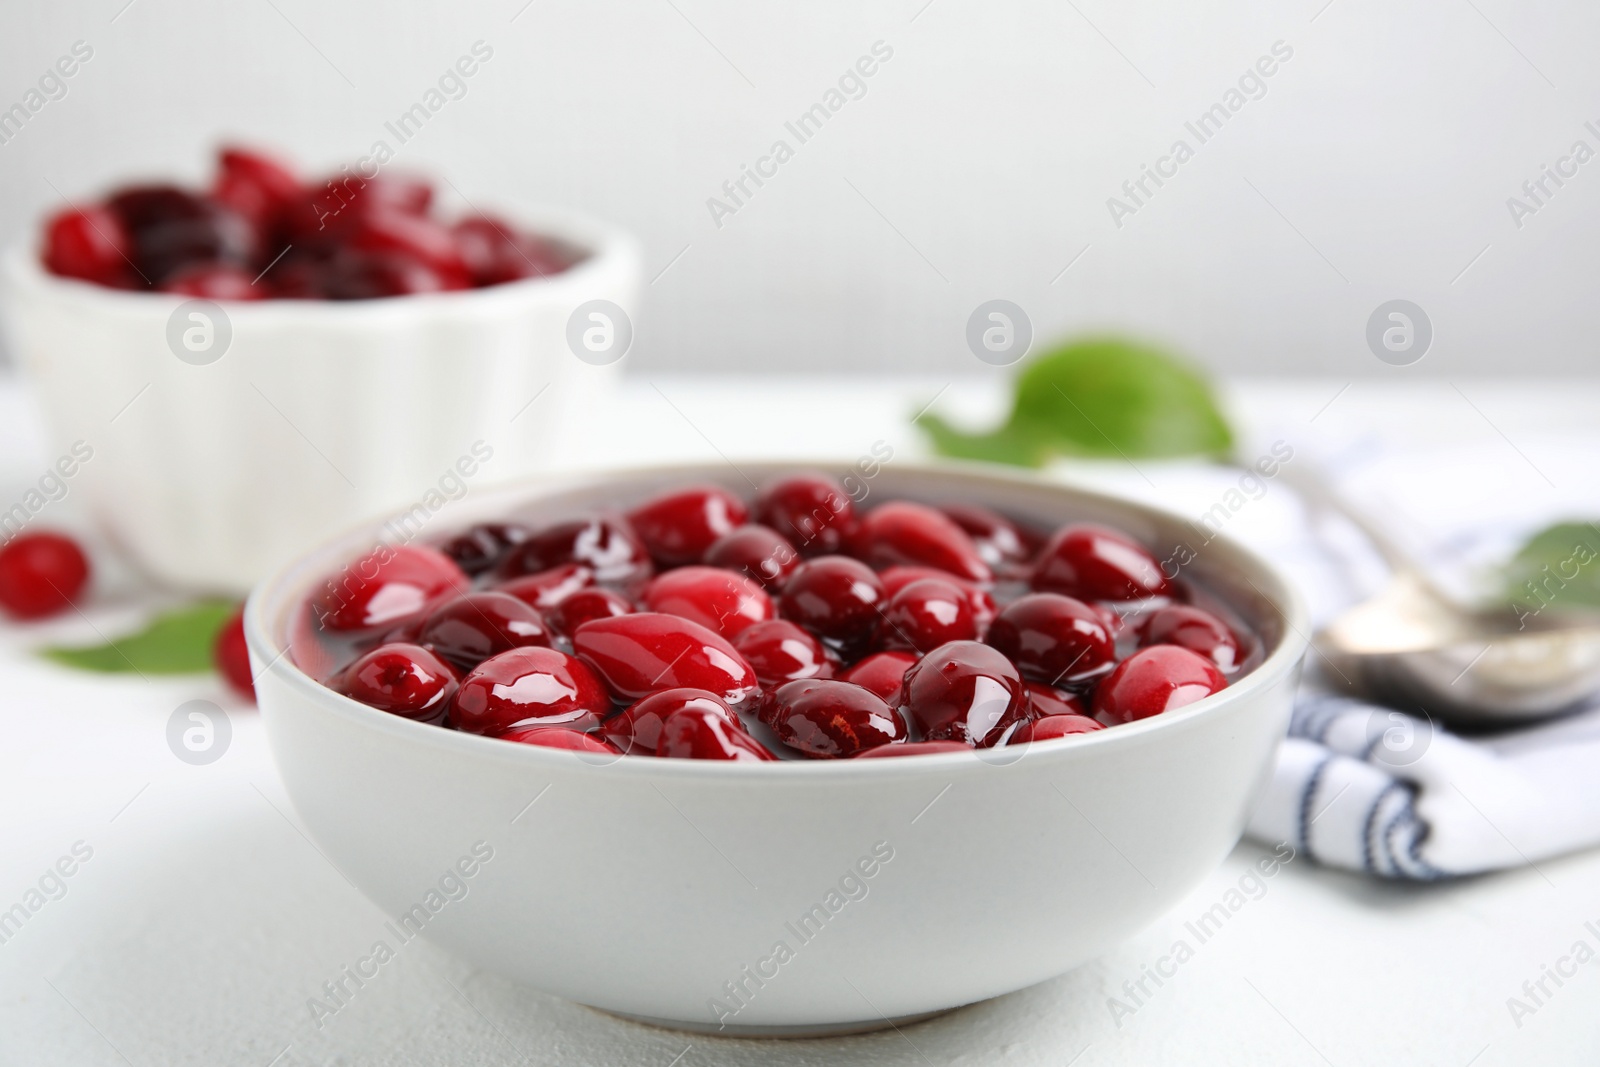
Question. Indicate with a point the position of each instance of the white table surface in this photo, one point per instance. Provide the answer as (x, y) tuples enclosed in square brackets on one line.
[(205, 919)]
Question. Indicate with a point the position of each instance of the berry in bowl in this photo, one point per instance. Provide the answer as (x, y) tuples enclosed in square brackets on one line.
[(662, 679), (684, 599), (261, 232), (269, 357)]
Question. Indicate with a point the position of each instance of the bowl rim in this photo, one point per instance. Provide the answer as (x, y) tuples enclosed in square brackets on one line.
[(1278, 592), (607, 247)]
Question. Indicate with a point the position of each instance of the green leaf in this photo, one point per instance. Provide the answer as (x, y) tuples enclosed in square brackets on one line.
[(177, 642), (1002, 446), (1101, 397), (1558, 567)]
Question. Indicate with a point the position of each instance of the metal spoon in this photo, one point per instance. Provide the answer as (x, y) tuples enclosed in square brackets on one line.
[(1413, 647)]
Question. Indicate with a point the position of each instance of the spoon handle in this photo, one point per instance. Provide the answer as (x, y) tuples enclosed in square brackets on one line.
[(1318, 491)]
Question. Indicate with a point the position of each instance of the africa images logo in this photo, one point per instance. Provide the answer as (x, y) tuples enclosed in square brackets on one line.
[(452, 885), (851, 85), (1251, 85), (852, 886)]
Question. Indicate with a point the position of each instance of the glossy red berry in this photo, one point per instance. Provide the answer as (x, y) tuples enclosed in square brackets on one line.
[(1156, 679), (606, 544), (979, 600), (760, 553), (1051, 726), (837, 599), (495, 251), (88, 243), (560, 737), (881, 673), (331, 210), (924, 615), (780, 652), (471, 628), (695, 733), (766, 703), (385, 586), (169, 228), (832, 720), (637, 731), (716, 599), (545, 589), (388, 232), (964, 691), (679, 526), (231, 656), (1194, 629), (586, 605), (214, 281), (1044, 700), (529, 687), (1054, 639), (257, 187), (903, 532), (997, 539), (480, 548), (402, 679), (300, 275), (355, 274), (1109, 616), (41, 574), (914, 748), (1098, 563), (811, 510), (647, 652), (407, 194)]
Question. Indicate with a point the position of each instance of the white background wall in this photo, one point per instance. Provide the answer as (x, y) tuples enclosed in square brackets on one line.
[(977, 165)]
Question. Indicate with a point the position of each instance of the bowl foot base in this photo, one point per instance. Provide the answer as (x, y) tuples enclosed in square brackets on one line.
[(859, 1026)]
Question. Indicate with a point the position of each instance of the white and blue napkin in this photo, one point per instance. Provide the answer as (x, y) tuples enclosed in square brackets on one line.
[(1372, 789)]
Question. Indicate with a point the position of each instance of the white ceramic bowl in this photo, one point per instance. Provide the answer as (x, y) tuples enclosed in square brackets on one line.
[(317, 415), (644, 886)]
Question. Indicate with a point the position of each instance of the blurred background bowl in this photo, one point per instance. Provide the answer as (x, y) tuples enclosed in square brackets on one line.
[(298, 417)]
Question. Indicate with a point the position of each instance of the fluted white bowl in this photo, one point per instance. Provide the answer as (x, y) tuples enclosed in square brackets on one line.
[(661, 889), (318, 414)]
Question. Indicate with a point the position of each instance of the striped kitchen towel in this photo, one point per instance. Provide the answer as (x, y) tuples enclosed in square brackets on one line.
[(1372, 789)]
